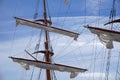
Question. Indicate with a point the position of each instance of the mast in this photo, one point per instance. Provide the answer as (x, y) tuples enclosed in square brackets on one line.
[(47, 54)]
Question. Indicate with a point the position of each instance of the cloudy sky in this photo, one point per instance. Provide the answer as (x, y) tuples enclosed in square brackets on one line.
[(72, 16)]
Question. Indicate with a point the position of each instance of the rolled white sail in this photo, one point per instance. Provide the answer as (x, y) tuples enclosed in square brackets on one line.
[(106, 36), (47, 28), (44, 65), (73, 74)]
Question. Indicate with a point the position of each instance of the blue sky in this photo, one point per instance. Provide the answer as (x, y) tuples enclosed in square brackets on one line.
[(26, 9), (71, 16)]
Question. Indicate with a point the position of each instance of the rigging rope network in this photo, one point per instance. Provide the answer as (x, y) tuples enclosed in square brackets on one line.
[(37, 46)]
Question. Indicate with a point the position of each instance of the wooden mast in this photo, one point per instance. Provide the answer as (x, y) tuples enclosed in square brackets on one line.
[(47, 54)]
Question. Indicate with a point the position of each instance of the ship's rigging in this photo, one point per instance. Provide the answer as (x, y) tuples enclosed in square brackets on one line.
[(106, 37), (45, 25)]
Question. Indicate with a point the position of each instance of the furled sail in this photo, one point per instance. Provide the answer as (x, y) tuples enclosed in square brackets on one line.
[(114, 21), (47, 28), (44, 65), (106, 36)]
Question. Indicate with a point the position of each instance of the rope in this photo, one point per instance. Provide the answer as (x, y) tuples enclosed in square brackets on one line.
[(48, 11), (36, 10), (39, 75), (29, 42), (103, 64), (32, 74), (99, 5), (14, 32), (72, 50), (95, 55), (95, 47), (108, 65), (65, 48), (67, 11), (12, 42), (112, 13), (117, 70), (54, 76), (39, 41), (85, 13)]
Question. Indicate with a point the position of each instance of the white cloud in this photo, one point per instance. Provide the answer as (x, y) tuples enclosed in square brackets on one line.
[(95, 74)]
